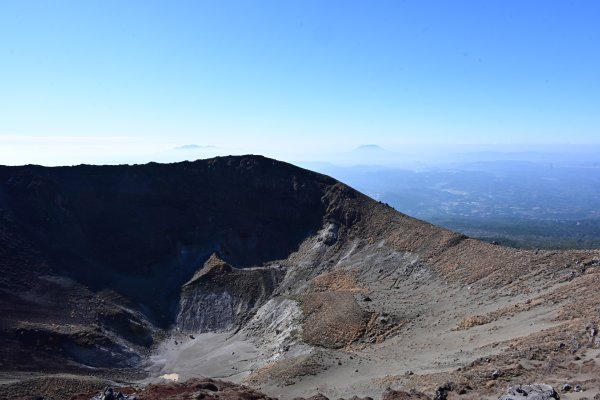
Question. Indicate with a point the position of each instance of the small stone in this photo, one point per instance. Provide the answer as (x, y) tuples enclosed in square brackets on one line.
[(463, 388)]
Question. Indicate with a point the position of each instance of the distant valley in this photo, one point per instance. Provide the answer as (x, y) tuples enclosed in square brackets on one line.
[(525, 204)]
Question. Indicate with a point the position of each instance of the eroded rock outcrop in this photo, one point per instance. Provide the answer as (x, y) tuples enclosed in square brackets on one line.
[(537, 391), (220, 297)]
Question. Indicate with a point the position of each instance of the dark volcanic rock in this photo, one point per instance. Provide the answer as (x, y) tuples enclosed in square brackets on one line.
[(110, 394), (442, 391), (53, 388), (539, 391), (192, 389), (143, 229), (220, 297), (111, 251)]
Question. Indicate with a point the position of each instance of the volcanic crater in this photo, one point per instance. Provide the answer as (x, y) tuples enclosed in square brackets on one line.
[(255, 271)]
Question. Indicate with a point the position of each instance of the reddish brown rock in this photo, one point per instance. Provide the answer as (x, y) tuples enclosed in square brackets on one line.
[(390, 394)]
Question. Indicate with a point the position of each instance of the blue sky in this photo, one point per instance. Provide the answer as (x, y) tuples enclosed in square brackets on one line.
[(118, 81)]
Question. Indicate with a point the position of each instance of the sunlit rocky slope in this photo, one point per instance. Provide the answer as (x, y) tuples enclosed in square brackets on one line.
[(259, 272)]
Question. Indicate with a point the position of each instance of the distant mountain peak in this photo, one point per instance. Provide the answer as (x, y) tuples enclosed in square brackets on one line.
[(193, 147), (369, 147)]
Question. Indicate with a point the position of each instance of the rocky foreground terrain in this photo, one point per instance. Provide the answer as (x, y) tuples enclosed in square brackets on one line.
[(259, 273)]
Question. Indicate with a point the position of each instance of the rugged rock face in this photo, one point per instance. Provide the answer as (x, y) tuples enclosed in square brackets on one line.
[(109, 248), (144, 229), (259, 272), (220, 297)]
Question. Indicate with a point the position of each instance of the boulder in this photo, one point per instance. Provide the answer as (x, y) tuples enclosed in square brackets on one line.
[(442, 391), (538, 391)]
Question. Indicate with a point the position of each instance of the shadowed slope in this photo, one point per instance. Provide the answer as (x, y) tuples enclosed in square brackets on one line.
[(141, 230), (252, 269)]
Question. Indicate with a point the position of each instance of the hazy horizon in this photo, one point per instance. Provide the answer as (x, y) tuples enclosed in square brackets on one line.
[(113, 151), (127, 82)]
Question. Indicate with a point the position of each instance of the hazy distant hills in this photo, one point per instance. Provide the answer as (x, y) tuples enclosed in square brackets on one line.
[(522, 203), (193, 147)]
